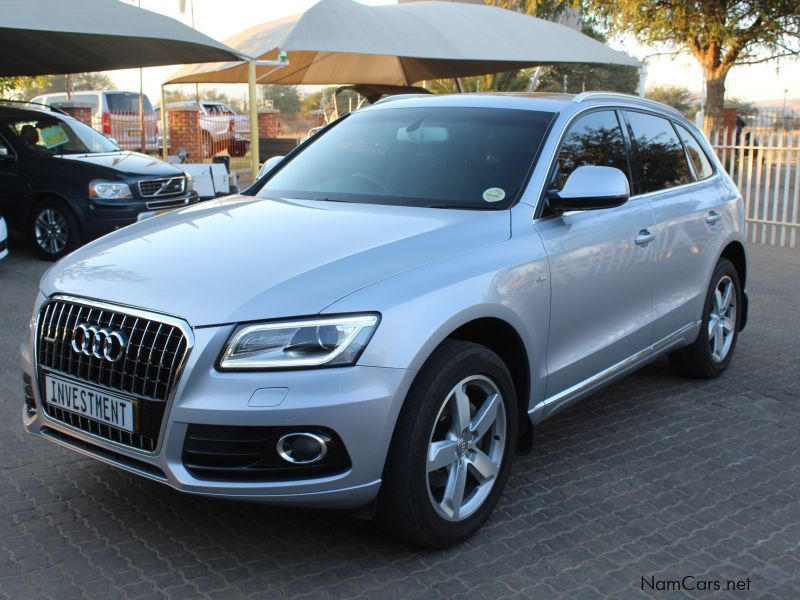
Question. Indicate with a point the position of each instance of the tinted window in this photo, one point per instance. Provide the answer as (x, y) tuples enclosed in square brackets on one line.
[(127, 102), (443, 157), (661, 158), (48, 136), (87, 99), (702, 166), (594, 139)]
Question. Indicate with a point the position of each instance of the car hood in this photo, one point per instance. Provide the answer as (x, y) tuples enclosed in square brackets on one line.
[(240, 258), (128, 163)]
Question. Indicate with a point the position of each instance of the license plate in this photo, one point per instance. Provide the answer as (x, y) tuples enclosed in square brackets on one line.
[(90, 402)]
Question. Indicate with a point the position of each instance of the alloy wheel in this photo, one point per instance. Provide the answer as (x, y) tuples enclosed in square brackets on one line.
[(51, 231), (722, 319), (466, 446)]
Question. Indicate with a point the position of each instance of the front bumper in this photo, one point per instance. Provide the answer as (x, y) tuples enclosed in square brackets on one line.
[(103, 217), (360, 404)]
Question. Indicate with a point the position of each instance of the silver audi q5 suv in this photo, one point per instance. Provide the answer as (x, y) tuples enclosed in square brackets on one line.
[(384, 317)]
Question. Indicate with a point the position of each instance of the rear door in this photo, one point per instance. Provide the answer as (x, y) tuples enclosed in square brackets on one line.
[(684, 212), (601, 278)]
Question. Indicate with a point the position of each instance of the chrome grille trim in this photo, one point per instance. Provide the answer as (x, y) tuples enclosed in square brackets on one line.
[(126, 381), (163, 186)]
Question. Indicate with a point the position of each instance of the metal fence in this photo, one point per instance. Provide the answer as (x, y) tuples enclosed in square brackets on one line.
[(766, 168)]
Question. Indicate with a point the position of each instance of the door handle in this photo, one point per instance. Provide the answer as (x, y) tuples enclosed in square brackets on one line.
[(644, 238), (712, 217)]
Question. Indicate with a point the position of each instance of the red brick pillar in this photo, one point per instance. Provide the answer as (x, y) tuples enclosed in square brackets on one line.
[(184, 131), (268, 123), (81, 112)]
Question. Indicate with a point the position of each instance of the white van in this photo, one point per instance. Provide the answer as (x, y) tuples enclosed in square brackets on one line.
[(115, 113)]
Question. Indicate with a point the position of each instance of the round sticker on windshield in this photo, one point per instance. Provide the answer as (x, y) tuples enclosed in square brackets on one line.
[(494, 195)]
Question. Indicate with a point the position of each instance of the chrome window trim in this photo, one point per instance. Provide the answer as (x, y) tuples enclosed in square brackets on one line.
[(540, 202), (177, 322)]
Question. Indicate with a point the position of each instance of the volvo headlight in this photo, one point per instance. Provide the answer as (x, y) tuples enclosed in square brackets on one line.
[(109, 190), (327, 341)]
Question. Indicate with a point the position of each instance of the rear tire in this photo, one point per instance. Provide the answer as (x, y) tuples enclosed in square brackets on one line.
[(711, 353), (452, 448), (54, 229)]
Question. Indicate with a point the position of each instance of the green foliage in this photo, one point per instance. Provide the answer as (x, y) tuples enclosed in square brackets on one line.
[(676, 96), (13, 87), (508, 81), (54, 84), (283, 97)]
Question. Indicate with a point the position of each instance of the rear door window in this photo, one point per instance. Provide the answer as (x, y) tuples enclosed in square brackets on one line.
[(124, 102), (593, 139), (702, 166), (662, 161)]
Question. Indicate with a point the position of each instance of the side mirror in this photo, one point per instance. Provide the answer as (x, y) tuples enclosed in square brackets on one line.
[(591, 188), (268, 165)]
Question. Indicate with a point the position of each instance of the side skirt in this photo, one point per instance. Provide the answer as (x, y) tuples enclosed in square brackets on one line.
[(558, 402)]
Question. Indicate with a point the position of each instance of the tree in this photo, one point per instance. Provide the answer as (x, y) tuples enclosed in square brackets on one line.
[(283, 97), (507, 81), (27, 87), (676, 96), (719, 34)]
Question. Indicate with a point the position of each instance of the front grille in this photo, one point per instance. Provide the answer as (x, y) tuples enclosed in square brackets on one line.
[(147, 370), (167, 186)]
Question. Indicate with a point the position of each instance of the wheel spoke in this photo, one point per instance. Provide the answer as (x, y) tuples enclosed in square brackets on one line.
[(454, 491), (460, 410), (486, 416), (717, 301), (726, 298), (483, 466), (718, 342), (441, 454), (728, 324)]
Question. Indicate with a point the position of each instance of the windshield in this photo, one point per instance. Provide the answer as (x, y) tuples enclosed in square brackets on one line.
[(48, 136), (440, 157)]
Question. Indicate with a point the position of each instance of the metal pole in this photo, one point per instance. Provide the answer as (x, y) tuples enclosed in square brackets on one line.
[(251, 83), (142, 146), (164, 132)]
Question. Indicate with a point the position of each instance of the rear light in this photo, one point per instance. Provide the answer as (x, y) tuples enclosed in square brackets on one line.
[(106, 122)]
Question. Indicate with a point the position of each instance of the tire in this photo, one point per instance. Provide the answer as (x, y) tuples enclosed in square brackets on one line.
[(711, 353), (418, 506), (54, 229)]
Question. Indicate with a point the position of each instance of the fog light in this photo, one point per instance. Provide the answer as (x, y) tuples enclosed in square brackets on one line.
[(302, 448)]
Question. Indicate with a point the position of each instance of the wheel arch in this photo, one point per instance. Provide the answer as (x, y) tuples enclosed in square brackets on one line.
[(504, 340), (735, 253)]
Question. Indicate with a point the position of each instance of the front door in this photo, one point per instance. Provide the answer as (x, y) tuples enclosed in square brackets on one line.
[(600, 268)]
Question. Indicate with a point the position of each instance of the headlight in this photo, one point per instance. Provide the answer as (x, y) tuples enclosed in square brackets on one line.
[(109, 190), (328, 341), (189, 183)]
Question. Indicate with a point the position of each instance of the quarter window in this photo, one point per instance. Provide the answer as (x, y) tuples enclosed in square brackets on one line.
[(702, 166), (662, 161), (594, 139)]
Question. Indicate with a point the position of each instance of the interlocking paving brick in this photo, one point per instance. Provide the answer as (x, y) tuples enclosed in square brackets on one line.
[(657, 475)]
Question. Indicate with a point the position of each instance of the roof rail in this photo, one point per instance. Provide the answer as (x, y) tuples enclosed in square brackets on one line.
[(627, 97), (37, 104)]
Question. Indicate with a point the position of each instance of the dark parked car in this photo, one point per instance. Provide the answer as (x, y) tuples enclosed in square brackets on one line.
[(62, 183)]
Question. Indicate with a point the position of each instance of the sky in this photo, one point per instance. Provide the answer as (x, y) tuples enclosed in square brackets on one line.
[(221, 20)]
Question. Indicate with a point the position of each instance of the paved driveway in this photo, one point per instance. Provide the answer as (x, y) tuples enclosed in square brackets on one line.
[(657, 477)]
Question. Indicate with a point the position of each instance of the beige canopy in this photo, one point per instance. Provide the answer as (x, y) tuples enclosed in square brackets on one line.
[(39, 37), (345, 42)]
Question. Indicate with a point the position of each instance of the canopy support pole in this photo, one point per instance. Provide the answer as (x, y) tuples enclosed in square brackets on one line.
[(458, 85), (164, 132), (254, 151)]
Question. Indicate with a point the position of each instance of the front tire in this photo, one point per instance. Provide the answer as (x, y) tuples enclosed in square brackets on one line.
[(452, 448), (712, 351), (54, 230)]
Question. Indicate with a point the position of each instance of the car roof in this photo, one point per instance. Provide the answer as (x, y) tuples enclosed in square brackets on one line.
[(7, 110), (546, 102)]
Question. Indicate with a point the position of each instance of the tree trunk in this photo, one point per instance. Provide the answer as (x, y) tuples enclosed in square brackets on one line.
[(715, 101)]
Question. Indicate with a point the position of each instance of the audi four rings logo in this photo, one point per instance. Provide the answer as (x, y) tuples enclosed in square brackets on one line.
[(98, 342)]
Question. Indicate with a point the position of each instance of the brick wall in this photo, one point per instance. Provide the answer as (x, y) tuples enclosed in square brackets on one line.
[(184, 131), (268, 123), (81, 112)]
